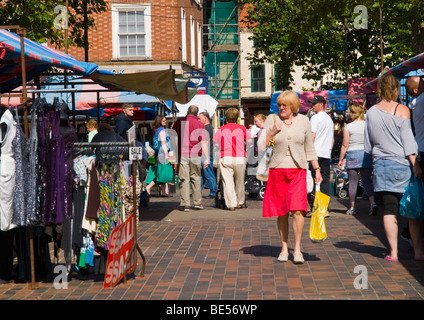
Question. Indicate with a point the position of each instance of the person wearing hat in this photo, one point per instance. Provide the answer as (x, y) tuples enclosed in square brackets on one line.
[(322, 128)]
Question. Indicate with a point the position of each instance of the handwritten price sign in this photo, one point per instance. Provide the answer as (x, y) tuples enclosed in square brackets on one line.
[(136, 153)]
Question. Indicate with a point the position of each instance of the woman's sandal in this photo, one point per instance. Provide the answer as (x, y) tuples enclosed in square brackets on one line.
[(389, 258), (283, 257), (298, 258)]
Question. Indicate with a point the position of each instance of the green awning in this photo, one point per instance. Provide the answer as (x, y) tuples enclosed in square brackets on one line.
[(163, 84)]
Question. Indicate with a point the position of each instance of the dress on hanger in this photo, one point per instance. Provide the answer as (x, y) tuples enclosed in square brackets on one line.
[(33, 209), (20, 147), (7, 172)]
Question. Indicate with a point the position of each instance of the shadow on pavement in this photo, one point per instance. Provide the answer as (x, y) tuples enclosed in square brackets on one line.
[(375, 225), (272, 251), (158, 208)]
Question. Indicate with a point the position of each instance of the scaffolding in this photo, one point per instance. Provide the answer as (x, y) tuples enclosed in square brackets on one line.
[(222, 50)]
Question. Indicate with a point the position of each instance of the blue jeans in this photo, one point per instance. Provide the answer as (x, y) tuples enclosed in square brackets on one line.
[(209, 175)]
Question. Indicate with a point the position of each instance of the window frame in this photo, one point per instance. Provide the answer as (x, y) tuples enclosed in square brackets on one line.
[(253, 79), (116, 9)]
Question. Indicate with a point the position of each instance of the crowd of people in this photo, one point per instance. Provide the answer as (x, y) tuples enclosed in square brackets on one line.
[(380, 146)]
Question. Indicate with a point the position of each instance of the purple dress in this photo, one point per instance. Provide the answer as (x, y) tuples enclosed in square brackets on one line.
[(56, 164)]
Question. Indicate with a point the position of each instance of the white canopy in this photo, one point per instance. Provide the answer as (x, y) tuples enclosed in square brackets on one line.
[(203, 101)]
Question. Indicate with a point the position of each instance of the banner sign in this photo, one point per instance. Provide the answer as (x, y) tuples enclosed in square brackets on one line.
[(198, 81), (121, 242)]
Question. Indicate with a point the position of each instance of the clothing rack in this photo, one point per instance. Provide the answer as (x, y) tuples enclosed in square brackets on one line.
[(101, 144), (135, 246), (21, 32)]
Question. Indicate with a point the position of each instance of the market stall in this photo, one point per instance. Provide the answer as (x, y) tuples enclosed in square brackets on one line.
[(52, 137)]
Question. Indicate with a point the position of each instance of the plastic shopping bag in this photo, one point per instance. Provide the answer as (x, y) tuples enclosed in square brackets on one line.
[(263, 165), (411, 205), (309, 181), (317, 229)]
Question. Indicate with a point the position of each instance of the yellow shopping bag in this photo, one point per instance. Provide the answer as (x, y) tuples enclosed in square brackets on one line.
[(317, 229)]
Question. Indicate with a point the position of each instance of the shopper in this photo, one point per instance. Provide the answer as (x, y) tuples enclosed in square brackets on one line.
[(192, 144), (92, 128), (358, 163), (208, 174), (231, 140), (158, 171), (322, 128), (259, 123), (286, 189), (389, 138), (415, 88)]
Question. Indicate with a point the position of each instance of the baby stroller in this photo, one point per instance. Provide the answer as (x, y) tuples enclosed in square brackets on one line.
[(342, 185), (254, 187)]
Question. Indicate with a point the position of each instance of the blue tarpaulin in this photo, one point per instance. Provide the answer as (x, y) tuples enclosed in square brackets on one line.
[(38, 59)]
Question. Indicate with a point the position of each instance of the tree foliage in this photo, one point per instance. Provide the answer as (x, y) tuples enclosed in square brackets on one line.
[(337, 38), (43, 19)]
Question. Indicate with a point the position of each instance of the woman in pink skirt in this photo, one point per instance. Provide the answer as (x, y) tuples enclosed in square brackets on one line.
[(286, 189)]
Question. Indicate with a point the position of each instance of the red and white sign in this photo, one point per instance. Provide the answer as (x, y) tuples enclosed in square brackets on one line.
[(121, 242)]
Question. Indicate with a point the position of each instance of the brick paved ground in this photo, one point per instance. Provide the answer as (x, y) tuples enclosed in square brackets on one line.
[(221, 255)]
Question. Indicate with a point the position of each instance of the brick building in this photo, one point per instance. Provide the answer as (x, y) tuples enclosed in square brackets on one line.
[(147, 35)]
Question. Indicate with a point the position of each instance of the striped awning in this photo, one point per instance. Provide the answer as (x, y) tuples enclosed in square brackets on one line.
[(402, 69)]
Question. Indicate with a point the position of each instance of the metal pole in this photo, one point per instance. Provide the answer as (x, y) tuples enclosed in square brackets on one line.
[(381, 37), (85, 31), (21, 32), (66, 27)]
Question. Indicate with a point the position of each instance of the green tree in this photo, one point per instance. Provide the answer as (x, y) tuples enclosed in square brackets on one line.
[(41, 18), (340, 38)]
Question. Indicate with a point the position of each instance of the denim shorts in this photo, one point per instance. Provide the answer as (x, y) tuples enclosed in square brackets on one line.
[(390, 175), (357, 159)]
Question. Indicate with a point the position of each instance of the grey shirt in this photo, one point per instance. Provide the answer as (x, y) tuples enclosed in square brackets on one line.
[(388, 136)]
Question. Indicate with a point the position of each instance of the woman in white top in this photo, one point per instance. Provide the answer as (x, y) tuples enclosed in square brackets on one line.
[(357, 161)]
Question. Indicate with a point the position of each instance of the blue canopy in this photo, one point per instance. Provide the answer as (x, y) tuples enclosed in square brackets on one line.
[(38, 59)]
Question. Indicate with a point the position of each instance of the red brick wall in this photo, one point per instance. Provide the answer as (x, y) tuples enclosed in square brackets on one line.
[(165, 26)]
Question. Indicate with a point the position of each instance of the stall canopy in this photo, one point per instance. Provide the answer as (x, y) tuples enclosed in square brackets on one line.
[(411, 66), (93, 98), (100, 101), (203, 101), (163, 84), (38, 59)]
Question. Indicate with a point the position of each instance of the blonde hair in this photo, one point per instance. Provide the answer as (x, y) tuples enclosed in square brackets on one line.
[(291, 98), (261, 116), (231, 114), (92, 124), (388, 87), (357, 111)]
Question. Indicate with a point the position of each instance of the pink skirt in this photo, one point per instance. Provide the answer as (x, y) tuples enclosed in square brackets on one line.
[(285, 191)]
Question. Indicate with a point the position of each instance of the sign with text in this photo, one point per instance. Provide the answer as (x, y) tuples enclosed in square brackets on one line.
[(121, 242), (136, 153)]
